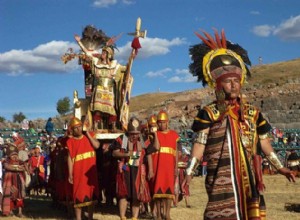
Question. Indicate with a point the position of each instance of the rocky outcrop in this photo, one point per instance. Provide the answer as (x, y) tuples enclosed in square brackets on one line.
[(280, 103)]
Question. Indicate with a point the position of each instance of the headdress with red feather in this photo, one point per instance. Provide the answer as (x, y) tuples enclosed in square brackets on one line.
[(213, 53)]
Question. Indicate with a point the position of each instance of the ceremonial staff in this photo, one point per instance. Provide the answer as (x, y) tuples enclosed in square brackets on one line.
[(128, 80)]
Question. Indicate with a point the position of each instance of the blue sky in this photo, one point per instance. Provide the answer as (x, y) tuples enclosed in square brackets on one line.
[(34, 34)]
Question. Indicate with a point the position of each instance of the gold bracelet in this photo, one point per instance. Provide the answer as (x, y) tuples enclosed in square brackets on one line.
[(274, 160), (201, 138), (192, 165), (263, 136)]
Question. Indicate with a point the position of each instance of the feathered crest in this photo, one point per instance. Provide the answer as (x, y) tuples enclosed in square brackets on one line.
[(210, 43), (92, 38), (112, 40)]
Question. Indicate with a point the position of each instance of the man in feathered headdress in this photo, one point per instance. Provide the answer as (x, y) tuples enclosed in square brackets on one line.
[(107, 74), (229, 131)]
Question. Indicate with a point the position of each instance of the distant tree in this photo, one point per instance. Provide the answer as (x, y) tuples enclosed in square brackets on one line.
[(18, 117), (63, 106), (2, 119)]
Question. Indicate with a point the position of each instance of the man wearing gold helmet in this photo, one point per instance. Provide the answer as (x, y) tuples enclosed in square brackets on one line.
[(164, 166), (82, 168), (229, 131)]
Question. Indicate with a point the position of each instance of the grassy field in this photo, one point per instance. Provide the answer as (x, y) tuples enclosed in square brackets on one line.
[(279, 192)]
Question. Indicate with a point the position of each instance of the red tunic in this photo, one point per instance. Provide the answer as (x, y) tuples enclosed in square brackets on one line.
[(38, 162), (85, 181), (164, 165)]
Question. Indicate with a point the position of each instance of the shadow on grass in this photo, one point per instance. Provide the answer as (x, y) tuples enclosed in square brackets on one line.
[(292, 207), (41, 207)]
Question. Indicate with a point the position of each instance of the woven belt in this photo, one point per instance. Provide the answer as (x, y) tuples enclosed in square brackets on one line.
[(167, 150), (84, 156)]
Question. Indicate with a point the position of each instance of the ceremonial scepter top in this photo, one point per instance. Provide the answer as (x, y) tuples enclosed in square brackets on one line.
[(138, 32)]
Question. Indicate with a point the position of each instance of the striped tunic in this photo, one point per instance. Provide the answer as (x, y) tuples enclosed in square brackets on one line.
[(231, 144)]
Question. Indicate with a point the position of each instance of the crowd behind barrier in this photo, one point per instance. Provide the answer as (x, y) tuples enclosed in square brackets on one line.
[(30, 138), (284, 141)]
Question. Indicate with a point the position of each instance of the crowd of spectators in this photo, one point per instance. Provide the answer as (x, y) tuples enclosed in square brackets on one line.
[(25, 165), (287, 138)]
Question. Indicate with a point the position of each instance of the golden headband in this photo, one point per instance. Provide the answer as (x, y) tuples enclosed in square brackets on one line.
[(207, 59)]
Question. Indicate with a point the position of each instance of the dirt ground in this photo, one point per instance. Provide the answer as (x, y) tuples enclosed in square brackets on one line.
[(280, 196)]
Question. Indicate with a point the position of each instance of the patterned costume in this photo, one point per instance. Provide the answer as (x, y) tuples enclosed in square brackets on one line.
[(230, 133), (107, 76), (104, 98), (85, 182), (182, 163), (164, 165), (131, 176), (230, 181), (13, 183)]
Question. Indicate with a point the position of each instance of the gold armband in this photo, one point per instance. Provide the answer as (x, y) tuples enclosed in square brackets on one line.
[(192, 165), (201, 138), (263, 136), (274, 160)]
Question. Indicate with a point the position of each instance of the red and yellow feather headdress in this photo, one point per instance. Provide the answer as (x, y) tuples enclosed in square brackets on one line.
[(215, 52)]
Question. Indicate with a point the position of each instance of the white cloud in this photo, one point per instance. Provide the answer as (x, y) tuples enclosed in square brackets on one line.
[(43, 59), (181, 71), (46, 58), (108, 3), (104, 3), (288, 30), (254, 12), (263, 30), (128, 2), (182, 75), (159, 73), (175, 79), (150, 47)]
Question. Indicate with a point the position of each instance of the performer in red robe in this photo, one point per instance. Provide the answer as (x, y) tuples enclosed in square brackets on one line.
[(13, 182), (165, 142), (82, 168), (37, 170)]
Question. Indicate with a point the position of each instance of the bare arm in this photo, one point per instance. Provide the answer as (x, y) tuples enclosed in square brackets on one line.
[(197, 154), (95, 143), (156, 143), (70, 169), (198, 149), (150, 166), (268, 150), (176, 161), (11, 167), (77, 38), (118, 154)]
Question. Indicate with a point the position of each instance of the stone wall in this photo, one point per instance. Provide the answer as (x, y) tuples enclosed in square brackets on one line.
[(282, 111)]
